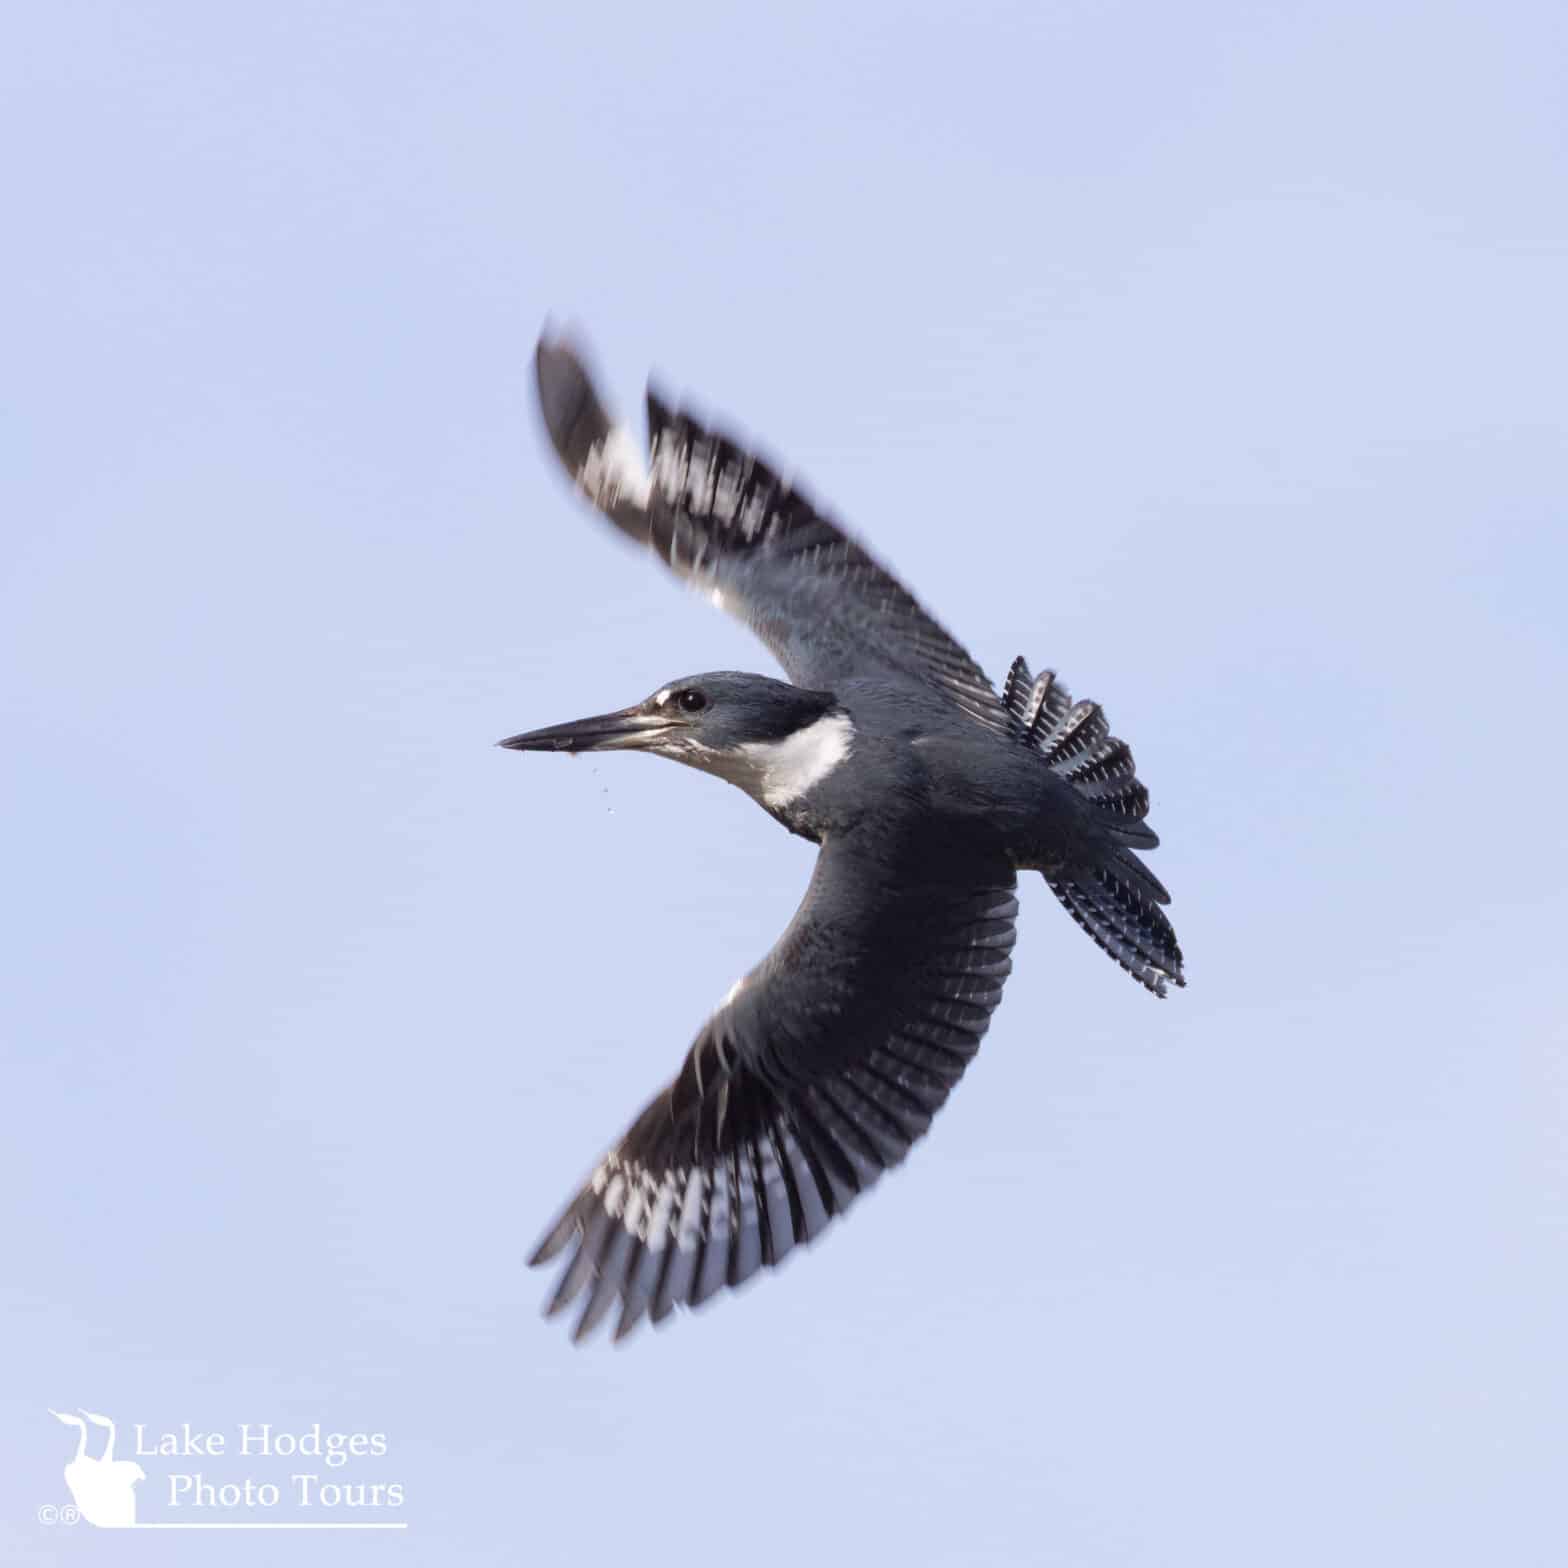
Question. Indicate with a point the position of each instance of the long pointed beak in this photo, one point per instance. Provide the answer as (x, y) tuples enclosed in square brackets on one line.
[(629, 730)]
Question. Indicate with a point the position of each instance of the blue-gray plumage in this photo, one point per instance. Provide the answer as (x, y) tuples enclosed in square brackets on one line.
[(927, 791)]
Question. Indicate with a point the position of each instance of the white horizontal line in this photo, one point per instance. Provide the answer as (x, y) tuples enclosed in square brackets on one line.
[(239, 1525)]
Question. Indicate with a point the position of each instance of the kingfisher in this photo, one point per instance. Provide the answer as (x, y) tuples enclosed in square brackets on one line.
[(927, 792)]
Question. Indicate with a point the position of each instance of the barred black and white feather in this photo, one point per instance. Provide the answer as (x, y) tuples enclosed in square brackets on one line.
[(820, 1072), (1075, 740), (1113, 904), (719, 516), (1117, 900)]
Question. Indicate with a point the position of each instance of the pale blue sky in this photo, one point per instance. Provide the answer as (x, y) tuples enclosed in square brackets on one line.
[(1213, 355)]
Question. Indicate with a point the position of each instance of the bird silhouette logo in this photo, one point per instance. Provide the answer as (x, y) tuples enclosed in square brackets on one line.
[(103, 1489)]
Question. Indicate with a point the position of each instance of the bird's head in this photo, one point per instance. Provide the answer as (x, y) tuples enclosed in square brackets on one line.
[(771, 739)]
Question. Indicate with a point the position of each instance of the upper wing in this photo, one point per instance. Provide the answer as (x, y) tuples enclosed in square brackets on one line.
[(720, 517), (819, 1071)]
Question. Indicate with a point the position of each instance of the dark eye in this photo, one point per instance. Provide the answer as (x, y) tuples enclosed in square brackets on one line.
[(691, 701)]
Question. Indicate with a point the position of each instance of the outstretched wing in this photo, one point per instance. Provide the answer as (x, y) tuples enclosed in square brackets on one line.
[(818, 1073), (723, 519)]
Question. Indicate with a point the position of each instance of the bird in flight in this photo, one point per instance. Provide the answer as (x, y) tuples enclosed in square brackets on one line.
[(927, 791)]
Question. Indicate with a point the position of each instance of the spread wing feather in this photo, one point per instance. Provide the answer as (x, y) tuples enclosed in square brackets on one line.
[(822, 1069), (720, 517)]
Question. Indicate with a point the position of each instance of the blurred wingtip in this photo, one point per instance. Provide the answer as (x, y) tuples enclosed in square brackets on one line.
[(567, 401)]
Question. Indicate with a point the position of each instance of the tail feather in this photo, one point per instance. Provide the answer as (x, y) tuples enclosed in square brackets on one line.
[(1129, 869), (1107, 778), (1078, 734), (1075, 739), (1124, 921), (1117, 898), (1015, 690)]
